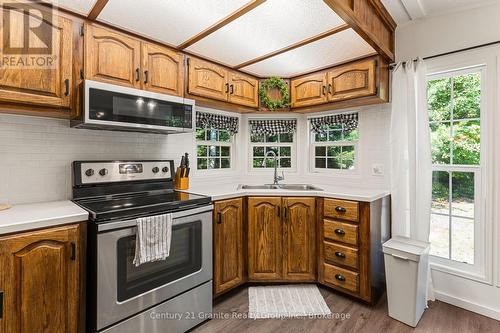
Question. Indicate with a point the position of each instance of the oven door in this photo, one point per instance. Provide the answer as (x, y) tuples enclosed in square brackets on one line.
[(124, 289)]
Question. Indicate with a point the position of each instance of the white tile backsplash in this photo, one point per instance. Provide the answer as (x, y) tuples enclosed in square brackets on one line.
[(36, 155)]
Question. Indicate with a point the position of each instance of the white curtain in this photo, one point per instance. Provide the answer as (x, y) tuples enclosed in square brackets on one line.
[(411, 172)]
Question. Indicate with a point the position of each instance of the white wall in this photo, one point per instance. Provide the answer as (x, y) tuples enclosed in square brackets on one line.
[(447, 33), (36, 155), (444, 33)]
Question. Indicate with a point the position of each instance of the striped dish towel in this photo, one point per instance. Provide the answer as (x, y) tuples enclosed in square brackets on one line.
[(152, 239)]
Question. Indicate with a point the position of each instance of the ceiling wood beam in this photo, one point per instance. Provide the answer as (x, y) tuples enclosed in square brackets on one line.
[(221, 23), (294, 46), (97, 9), (371, 21)]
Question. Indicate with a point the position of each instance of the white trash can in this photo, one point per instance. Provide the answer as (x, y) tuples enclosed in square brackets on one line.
[(406, 265)]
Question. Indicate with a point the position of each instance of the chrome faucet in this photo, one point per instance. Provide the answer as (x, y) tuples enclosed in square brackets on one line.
[(276, 177)]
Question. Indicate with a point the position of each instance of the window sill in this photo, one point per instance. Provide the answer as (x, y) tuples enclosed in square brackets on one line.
[(473, 275)]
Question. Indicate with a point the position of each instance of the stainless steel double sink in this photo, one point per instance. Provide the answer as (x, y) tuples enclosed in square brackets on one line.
[(292, 187)]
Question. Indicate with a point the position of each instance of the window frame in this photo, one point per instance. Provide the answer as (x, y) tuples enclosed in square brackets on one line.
[(312, 151), (233, 154), (477, 270), (251, 145)]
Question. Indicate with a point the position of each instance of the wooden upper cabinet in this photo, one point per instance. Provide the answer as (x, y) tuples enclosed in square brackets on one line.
[(40, 281), (309, 90), (265, 237), (299, 238), (352, 80), (228, 244), (243, 90), (163, 70), (207, 80), (112, 57), (50, 82)]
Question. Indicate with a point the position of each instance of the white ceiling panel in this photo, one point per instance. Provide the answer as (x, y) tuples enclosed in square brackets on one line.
[(78, 6), (269, 27), (169, 21), (343, 46)]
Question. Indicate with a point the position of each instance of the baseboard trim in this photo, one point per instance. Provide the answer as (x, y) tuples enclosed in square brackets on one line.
[(468, 305)]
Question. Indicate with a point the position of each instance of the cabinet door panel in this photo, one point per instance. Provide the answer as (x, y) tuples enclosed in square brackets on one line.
[(264, 239), (50, 82), (162, 70), (309, 90), (352, 81), (207, 80), (228, 240), (299, 238), (40, 281), (243, 90), (112, 57)]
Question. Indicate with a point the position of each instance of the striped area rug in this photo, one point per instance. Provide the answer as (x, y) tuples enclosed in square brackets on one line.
[(286, 301)]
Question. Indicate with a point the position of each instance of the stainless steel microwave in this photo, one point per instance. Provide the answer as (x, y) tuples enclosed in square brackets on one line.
[(112, 107)]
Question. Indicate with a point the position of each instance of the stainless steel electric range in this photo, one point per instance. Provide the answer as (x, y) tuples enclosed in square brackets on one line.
[(172, 295)]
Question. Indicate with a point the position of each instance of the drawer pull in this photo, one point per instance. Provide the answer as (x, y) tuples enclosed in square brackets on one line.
[(340, 209), (340, 254), (340, 277), (339, 232)]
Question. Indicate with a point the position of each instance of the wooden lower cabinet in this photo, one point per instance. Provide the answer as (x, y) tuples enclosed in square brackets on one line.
[(228, 245), (299, 238), (281, 239), (350, 246), (265, 238), (40, 281)]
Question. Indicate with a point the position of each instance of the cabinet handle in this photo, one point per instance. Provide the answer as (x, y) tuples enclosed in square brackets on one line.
[(137, 74), (1, 304), (340, 254), (66, 87), (73, 251), (340, 209), (227, 88), (231, 89), (279, 211), (324, 90), (146, 75), (219, 218), (329, 88), (285, 212), (339, 232), (340, 277)]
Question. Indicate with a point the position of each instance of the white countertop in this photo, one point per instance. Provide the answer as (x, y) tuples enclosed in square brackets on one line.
[(40, 215), (226, 191)]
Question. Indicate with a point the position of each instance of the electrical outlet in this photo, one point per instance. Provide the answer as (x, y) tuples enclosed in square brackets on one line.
[(377, 169)]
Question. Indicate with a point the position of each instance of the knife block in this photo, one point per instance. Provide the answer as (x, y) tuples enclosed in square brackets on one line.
[(180, 183)]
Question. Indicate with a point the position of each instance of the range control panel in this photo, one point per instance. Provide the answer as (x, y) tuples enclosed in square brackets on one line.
[(120, 171)]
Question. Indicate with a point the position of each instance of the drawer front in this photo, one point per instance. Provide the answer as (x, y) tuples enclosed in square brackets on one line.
[(341, 277), (340, 232), (342, 255), (341, 209)]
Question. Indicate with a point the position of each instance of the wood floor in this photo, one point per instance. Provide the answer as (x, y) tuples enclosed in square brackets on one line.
[(440, 317)]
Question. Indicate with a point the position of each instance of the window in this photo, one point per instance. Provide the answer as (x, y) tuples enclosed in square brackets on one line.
[(213, 149), (272, 135), (454, 108), (334, 145)]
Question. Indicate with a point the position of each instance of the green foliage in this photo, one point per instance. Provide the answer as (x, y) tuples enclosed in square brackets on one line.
[(455, 136), (278, 83)]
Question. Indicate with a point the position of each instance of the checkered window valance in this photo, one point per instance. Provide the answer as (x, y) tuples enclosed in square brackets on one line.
[(273, 127), (320, 125), (217, 121)]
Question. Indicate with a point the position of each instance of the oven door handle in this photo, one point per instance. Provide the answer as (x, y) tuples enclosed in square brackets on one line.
[(175, 216)]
